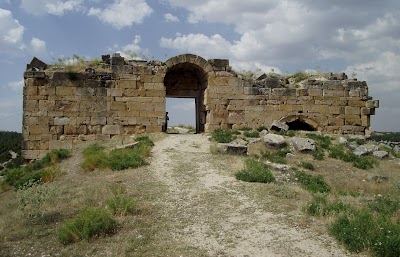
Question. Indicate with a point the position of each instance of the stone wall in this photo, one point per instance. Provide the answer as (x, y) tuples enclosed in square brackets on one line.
[(74, 105)]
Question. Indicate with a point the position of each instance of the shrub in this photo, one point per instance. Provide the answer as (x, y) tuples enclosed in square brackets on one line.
[(245, 129), (322, 141), (357, 232), (223, 136), (55, 156), (385, 205), (315, 184), (387, 244), (277, 156), (251, 134), (125, 158), (318, 154), (320, 206), (95, 158), (255, 171), (33, 200), (88, 223), (307, 165), (361, 162), (121, 205)]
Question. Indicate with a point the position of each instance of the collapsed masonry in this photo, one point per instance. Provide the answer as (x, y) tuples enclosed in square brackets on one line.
[(67, 106)]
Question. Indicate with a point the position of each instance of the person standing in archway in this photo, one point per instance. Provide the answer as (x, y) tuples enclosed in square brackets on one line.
[(165, 127)]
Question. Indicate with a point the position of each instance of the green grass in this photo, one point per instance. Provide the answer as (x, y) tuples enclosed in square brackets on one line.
[(306, 165), (119, 159), (361, 162), (320, 206), (121, 205), (251, 134), (289, 133), (88, 223), (245, 129), (223, 136), (318, 154), (277, 156), (322, 141), (255, 171), (38, 171), (314, 184)]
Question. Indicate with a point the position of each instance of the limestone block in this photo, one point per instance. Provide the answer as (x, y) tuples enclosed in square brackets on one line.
[(367, 111), (94, 129), (336, 110), (352, 110), (131, 92), (356, 103), (46, 90), (30, 90), (236, 117), (353, 122), (118, 106), (280, 91), (60, 121), (98, 120), (111, 130), (30, 120), (153, 129), (125, 121), (75, 130), (126, 83), (155, 93), (335, 121), (315, 92), (151, 114), (333, 93), (38, 129), (57, 130), (65, 91), (58, 144), (47, 105), (70, 106), (372, 104), (33, 154), (115, 92), (31, 105), (365, 121), (251, 91)]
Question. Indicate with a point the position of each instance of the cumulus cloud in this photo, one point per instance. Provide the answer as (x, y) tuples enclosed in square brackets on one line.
[(16, 86), (123, 13), (132, 50), (11, 33), (54, 7), (38, 46), (171, 18)]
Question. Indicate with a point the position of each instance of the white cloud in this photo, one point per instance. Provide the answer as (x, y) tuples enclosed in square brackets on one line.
[(132, 50), (183, 106), (11, 33), (38, 46), (16, 86), (54, 7), (171, 18), (123, 13)]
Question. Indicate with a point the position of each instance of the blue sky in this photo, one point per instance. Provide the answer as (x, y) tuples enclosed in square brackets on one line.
[(361, 36)]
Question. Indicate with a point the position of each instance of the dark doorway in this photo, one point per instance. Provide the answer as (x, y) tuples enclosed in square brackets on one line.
[(300, 125), (187, 80)]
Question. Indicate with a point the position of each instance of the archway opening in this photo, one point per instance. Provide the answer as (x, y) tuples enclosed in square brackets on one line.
[(181, 113), (187, 80), (300, 125)]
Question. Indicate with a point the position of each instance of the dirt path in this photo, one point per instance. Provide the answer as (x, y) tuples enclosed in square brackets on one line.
[(208, 208)]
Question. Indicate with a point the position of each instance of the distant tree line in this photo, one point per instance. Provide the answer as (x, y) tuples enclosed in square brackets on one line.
[(386, 136), (10, 141)]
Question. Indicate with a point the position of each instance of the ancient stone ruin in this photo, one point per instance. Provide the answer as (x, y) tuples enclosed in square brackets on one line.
[(67, 106)]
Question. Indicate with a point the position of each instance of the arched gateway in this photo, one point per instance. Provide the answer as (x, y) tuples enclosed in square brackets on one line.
[(67, 107), (187, 77)]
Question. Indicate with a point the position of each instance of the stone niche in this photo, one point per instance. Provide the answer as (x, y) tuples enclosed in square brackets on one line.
[(72, 106)]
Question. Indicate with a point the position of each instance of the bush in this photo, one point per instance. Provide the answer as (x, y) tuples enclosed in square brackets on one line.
[(223, 136), (33, 201), (387, 244), (307, 165), (321, 207), (251, 134), (125, 158), (121, 205), (361, 162), (277, 156), (322, 141), (95, 158), (255, 171), (314, 184), (318, 154), (357, 232), (90, 222), (385, 205), (245, 129)]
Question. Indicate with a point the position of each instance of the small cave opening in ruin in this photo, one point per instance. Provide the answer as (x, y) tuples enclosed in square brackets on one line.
[(300, 125)]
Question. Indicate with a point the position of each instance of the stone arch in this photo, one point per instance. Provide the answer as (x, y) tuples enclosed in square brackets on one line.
[(187, 76), (301, 120)]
